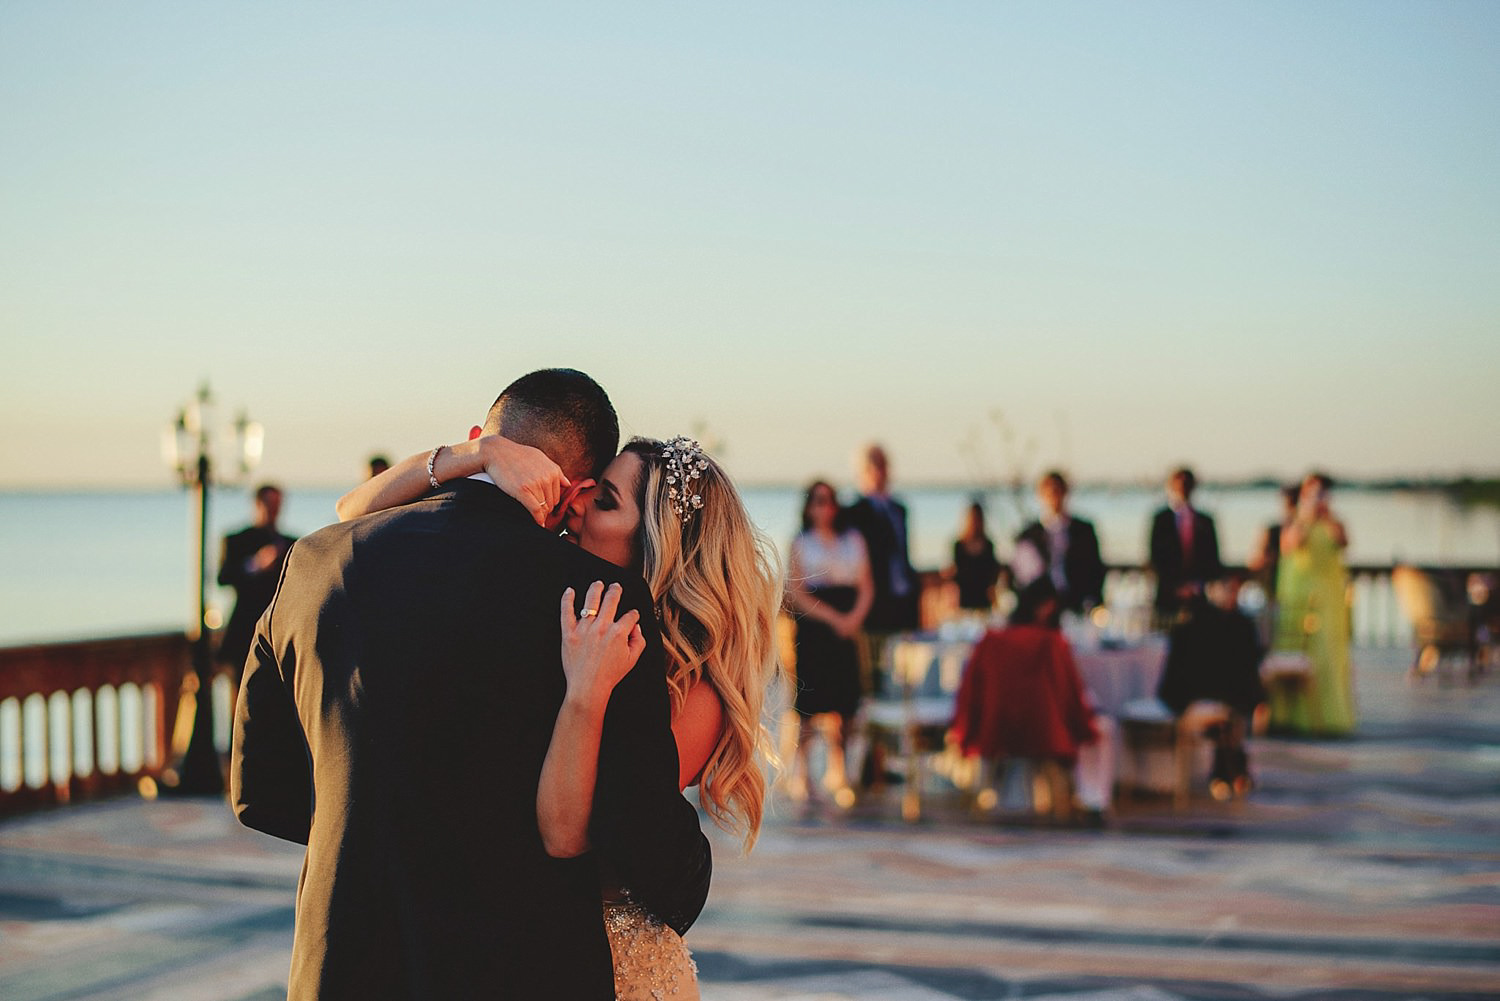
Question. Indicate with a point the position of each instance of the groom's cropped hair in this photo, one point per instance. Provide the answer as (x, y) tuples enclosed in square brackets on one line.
[(564, 413)]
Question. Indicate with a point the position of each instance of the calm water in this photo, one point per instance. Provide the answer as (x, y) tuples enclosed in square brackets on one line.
[(78, 565)]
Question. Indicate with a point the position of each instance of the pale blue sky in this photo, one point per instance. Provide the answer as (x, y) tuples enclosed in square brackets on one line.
[(1255, 237)]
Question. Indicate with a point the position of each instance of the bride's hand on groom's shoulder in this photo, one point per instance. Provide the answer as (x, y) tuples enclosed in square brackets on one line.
[(597, 648), (523, 472)]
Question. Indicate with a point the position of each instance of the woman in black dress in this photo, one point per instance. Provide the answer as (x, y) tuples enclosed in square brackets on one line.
[(975, 568), (831, 589)]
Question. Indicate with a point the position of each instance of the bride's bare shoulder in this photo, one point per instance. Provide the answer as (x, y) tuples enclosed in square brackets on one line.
[(697, 726)]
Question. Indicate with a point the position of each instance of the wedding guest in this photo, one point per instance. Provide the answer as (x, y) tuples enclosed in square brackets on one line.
[(881, 519), (378, 465), (1214, 653), (1313, 616), (251, 564), (1062, 548), (1021, 695), (1264, 562), (1265, 558), (975, 568), (1184, 548), (831, 590)]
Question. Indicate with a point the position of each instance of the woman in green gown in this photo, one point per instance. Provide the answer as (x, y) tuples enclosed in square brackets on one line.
[(1313, 617)]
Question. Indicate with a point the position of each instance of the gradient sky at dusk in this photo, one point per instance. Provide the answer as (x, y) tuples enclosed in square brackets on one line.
[(1256, 237)]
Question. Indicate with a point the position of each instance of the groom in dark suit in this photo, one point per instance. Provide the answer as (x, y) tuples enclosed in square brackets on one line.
[(394, 716)]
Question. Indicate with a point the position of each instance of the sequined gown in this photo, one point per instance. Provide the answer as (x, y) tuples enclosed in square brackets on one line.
[(651, 961)]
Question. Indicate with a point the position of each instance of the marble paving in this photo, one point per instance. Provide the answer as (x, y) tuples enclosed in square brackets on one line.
[(1360, 868)]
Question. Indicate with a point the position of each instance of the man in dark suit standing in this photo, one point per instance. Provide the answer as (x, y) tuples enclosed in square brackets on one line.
[(394, 717), (881, 519), (251, 564), (1184, 548), (1062, 547)]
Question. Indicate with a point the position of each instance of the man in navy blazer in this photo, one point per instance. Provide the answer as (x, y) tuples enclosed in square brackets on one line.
[(881, 520)]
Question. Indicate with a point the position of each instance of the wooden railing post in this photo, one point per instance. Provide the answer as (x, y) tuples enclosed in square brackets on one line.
[(60, 675)]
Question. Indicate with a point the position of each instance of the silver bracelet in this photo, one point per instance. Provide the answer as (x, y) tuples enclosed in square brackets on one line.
[(431, 475)]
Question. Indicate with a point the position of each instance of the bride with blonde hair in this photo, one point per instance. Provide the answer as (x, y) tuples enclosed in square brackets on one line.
[(667, 510)]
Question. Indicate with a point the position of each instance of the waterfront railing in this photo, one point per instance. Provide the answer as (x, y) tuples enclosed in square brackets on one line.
[(86, 719)]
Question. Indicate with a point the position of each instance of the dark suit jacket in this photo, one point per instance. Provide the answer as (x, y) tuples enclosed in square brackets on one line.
[(394, 716), (1172, 567), (889, 612), (252, 591), (1213, 654), (1082, 565)]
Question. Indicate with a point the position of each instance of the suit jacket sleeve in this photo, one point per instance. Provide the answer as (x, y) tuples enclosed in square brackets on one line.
[(1213, 564), (232, 558), (861, 515), (1091, 587), (905, 540), (642, 826), (1163, 535), (270, 775)]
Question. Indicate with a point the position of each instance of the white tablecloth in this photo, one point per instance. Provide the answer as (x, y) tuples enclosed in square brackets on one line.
[(1115, 677)]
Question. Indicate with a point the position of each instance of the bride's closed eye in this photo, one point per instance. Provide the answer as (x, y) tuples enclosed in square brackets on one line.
[(607, 497)]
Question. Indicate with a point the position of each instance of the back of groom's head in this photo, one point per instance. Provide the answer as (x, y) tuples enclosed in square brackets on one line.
[(562, 412)]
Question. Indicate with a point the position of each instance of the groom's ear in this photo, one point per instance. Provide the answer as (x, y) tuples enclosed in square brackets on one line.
[(475, 432), (570, 504)]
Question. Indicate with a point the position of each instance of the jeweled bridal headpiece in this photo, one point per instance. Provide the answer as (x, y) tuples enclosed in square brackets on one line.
[(685, 463)]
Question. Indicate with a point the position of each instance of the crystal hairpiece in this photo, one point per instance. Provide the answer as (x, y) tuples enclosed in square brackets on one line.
[(685, 463)]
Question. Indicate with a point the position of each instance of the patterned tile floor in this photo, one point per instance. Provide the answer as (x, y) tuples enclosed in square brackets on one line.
[(1361, 868)]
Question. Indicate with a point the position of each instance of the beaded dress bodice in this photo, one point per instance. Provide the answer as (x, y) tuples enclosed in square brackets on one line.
[(651, 961)]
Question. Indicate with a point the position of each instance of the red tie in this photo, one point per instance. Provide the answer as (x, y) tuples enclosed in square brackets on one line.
[(1185, 530)]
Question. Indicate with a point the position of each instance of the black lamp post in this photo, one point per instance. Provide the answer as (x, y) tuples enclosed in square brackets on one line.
[(188, 447)]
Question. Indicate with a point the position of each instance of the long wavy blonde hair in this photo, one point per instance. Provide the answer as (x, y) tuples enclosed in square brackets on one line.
[(717, 585)]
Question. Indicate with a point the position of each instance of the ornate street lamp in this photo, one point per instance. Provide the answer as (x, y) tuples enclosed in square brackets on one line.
[(187, 446)]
